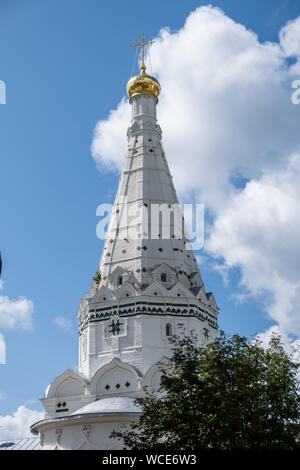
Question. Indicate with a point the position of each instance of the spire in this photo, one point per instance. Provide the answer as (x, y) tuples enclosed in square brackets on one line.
[(150, 279), (146, 204)]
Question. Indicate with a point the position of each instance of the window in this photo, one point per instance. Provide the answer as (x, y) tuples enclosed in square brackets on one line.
[(163, 277), (120, 280), (168, 329)]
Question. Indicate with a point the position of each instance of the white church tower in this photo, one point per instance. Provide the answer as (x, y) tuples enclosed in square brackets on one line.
[(148, 284)]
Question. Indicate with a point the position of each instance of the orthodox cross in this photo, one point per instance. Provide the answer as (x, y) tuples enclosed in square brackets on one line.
[(142, 44), (115, 327)]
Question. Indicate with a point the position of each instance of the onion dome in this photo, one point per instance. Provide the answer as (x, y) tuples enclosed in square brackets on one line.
[(143, 83)]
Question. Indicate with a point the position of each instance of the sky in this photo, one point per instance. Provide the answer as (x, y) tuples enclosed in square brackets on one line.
[(226, 72)]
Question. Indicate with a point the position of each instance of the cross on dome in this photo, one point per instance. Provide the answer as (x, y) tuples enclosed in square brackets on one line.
[(142, 44), (143, 83)]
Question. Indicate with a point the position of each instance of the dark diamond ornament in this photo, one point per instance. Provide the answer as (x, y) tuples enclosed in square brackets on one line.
[(115, 327)]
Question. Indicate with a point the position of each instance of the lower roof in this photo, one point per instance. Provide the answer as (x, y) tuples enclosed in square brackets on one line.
[(28, 443)]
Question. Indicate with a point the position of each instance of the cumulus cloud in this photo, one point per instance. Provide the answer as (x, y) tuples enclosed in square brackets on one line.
[(63, 323), (290, 42), (13, 314), (259, 231), (2, 351), (291, 346), (231, 135), (222, 108), (109, 144), (16, 313), (18, 424)]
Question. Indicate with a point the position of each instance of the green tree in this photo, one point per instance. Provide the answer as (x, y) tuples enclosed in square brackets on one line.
[(231, 394), (97, 276)]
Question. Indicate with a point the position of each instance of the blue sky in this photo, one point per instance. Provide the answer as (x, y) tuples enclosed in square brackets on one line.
[(66, 65)]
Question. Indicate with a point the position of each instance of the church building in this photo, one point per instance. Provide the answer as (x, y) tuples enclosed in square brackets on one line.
[(147, 285)]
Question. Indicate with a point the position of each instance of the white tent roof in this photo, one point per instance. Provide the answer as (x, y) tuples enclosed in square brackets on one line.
[(110, 405)]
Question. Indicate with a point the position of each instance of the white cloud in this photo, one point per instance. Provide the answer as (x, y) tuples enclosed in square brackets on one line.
[(290, 42), (259, 231), (291, 346), (16, 313), (227, 117), (2, 350), (109, 144), (63, 323), (18, 424), (222, 107)]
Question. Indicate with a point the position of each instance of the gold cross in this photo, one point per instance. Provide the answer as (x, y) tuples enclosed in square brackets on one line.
[(142, 44)]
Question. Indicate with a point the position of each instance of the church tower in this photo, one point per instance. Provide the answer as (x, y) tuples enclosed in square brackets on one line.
[(148, 284)]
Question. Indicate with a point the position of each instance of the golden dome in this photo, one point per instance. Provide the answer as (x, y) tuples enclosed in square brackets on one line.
[(143, 83)]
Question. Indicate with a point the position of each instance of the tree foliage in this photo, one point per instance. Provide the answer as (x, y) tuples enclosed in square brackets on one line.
[(231, 394), (97, 276)]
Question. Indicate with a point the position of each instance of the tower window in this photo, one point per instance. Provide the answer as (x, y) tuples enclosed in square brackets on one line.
[(168, 329), (163, 277), (120, 280)]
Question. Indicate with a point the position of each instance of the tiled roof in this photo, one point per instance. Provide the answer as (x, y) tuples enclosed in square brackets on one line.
[(29, 443)]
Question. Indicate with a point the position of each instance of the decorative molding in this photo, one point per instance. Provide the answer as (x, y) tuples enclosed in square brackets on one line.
[(123, 427), (58, 433), (206, 334), (137, 307), (86, 429)]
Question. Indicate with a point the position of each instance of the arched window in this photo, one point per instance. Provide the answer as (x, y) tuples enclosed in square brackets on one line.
[(168, 329), (163, 277), (120, 280)]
